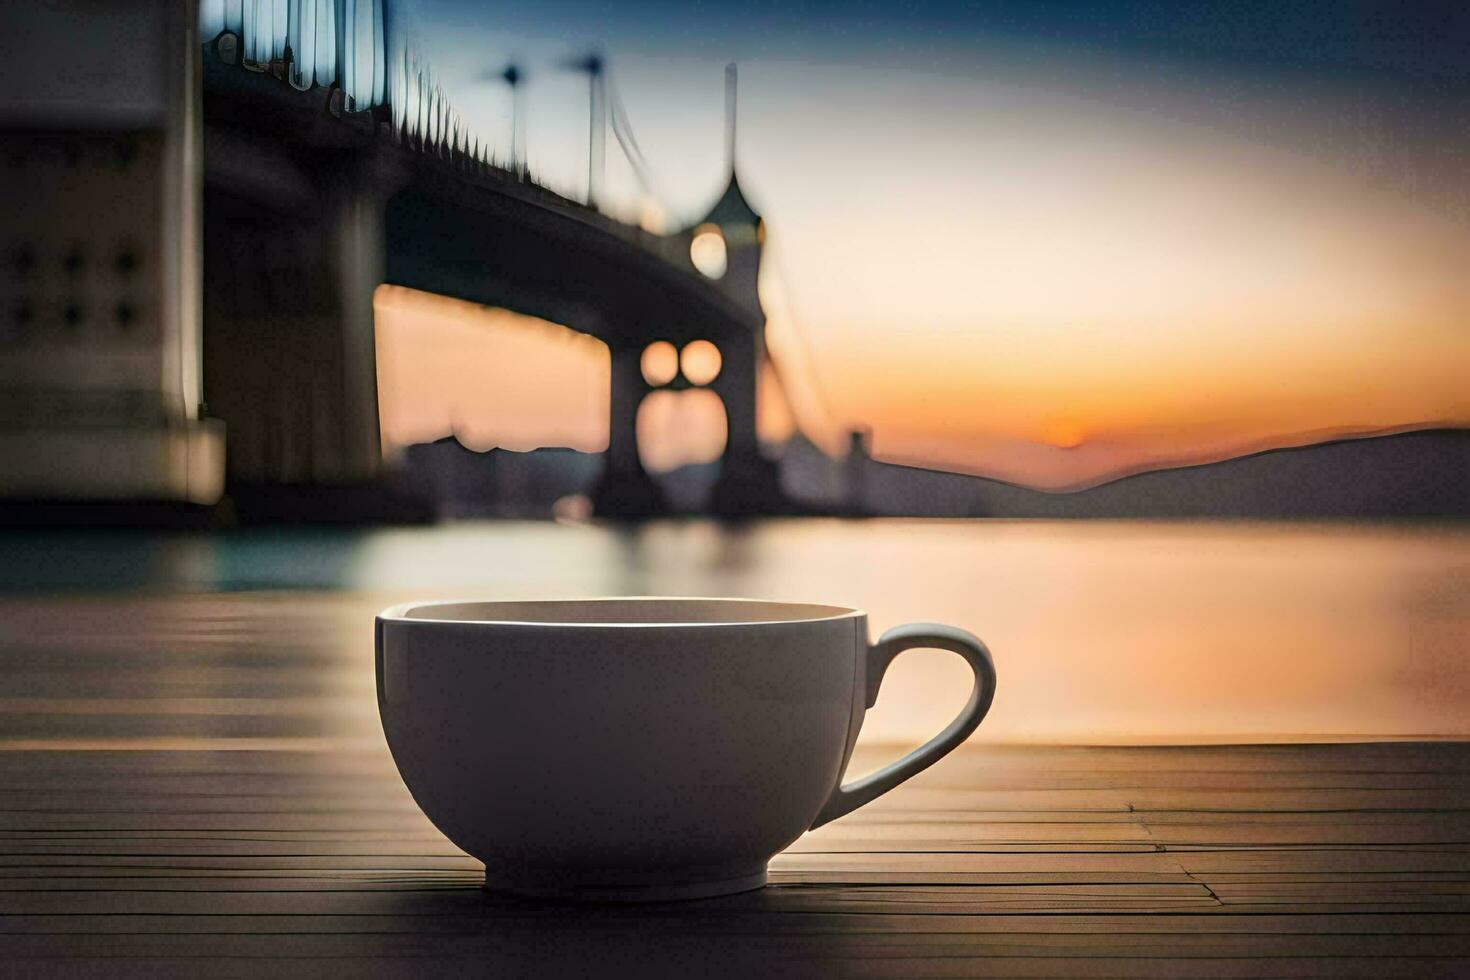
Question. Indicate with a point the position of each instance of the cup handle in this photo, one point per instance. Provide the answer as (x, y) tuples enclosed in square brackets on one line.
[(845, 799)]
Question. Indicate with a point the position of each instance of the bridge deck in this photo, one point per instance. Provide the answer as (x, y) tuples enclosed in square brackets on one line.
[(195, 786)]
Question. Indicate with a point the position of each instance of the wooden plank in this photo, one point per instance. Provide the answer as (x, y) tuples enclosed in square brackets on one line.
[(229, 862), (493, 914), (445, 937), (1144, 968), (1081, 899), (736, 963), (986, 832), (979, 760), (1134, 866), (923, 845), (1246, 862), (835, 897)]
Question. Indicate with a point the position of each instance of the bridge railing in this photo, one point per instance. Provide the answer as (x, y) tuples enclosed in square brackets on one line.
[(331, 42), (356, 47)]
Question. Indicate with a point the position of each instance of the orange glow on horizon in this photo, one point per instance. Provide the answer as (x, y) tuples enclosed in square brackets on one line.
[(1178, 277), (491, 378), (498, 379), (1153, 411)]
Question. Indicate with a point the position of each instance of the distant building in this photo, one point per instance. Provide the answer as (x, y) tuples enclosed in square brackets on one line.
[(856, 468), (100, 339)]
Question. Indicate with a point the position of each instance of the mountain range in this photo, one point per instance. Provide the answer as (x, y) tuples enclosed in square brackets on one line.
[(1410, 474)]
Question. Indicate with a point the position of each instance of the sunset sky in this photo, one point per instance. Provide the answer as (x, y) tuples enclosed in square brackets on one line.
[(1049, 246)]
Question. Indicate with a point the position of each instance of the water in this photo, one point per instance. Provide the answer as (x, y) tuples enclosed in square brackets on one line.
[(1102, 631)]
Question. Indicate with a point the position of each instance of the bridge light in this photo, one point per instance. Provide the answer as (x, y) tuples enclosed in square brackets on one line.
[(707, 251), (700, 361), (659, 363)]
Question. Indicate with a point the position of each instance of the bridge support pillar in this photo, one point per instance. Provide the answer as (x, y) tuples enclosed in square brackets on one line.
[(625, 489), (289, 357), (749, 484)]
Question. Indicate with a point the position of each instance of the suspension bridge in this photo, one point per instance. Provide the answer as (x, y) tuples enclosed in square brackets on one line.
[(333, 162), (201, 199)]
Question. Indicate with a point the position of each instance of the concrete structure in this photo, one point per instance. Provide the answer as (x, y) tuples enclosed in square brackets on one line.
[(100, 333)]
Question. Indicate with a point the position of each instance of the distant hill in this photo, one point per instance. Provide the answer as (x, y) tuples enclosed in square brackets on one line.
[(1414, 474)]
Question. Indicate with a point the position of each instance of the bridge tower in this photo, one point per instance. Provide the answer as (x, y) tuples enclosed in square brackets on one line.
[(725, 245), (748, 482)]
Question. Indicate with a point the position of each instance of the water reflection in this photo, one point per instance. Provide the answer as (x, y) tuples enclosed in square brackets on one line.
[(1102, 631)]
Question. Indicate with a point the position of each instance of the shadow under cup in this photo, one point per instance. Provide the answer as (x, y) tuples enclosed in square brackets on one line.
[(629, 749)]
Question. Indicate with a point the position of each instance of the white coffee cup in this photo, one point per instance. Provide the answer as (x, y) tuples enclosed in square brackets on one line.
[(641, 749)]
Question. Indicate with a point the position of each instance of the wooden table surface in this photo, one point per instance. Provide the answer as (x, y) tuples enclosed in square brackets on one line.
[(195, 785)]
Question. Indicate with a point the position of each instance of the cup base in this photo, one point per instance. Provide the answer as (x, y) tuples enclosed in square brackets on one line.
[(579, 891)]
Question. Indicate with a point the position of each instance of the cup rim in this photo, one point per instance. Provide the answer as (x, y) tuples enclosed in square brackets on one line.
[(412, 612)]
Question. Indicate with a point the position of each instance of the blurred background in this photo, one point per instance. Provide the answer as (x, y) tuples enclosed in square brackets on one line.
[(1131, 336)]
